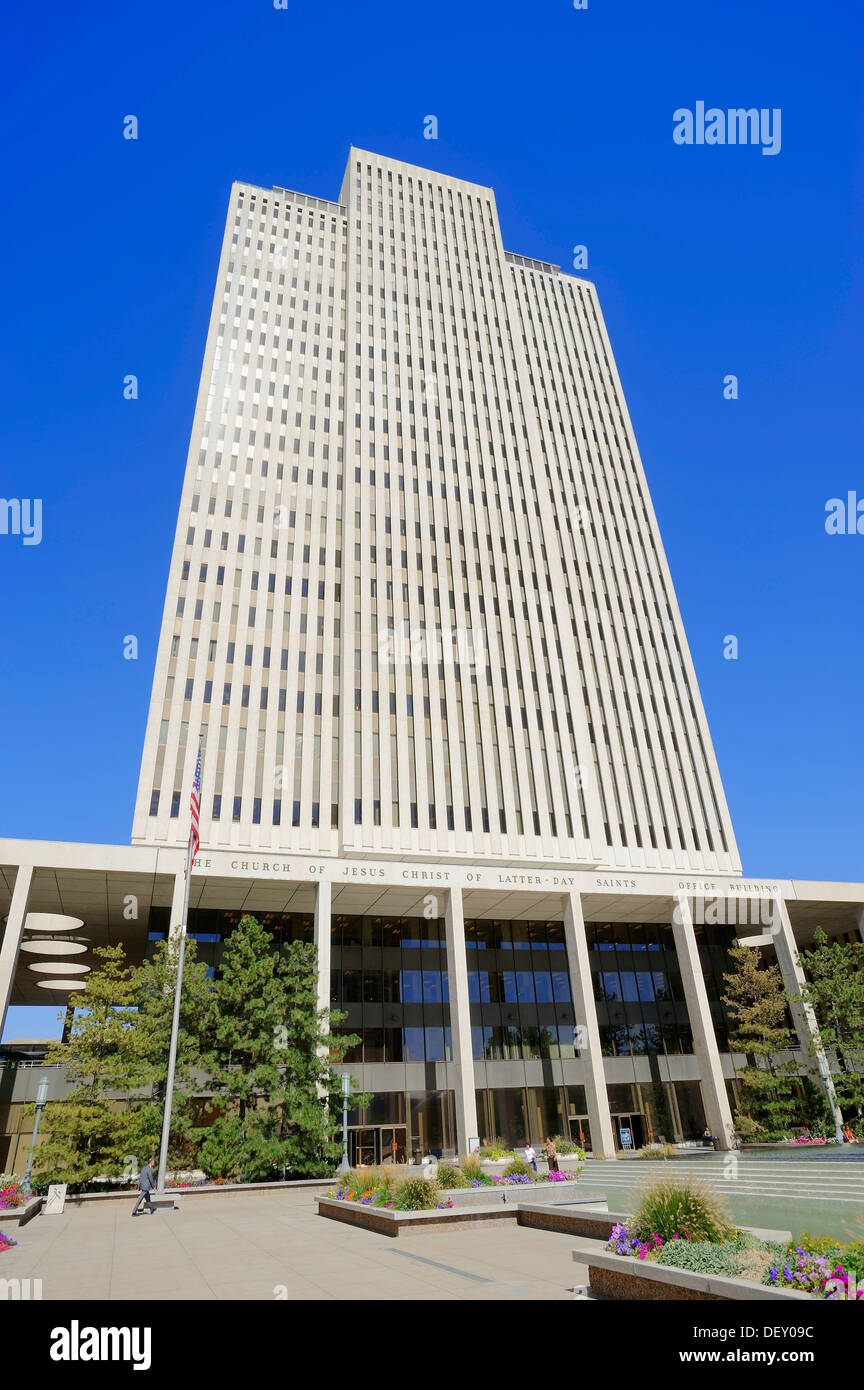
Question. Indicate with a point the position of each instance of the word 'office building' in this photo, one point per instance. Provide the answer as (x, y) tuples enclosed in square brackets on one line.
[(420, 617)]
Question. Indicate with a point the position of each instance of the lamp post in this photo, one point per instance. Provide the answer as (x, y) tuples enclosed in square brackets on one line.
[(41, 1098), (345, 1166)]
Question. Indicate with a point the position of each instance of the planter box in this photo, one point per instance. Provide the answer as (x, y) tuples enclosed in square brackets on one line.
[(19, 1216), (621, 1277), (569, 1163), (494, 1167), (520, 1192), (392, 1223)]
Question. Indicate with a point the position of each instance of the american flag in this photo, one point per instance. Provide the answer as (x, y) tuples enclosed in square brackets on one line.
[(194, 837)]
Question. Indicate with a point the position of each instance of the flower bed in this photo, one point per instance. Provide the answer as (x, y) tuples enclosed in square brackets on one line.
[(615, 1276), (6, 1242), (746, 1256), (390, 1192), (12, 1193)]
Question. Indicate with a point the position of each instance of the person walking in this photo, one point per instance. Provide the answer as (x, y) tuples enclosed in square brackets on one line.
[(551, 1155), (530, 1155), (146, 1184)]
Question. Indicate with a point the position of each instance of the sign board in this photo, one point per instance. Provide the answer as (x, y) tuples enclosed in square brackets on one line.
[(626, 1138), (473, 1144), (56, 1199)]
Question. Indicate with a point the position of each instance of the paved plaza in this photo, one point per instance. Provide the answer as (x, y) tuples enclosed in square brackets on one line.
[(264, 1247)]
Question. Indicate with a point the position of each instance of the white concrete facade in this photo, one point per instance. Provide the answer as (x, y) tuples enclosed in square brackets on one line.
[(418, 602)]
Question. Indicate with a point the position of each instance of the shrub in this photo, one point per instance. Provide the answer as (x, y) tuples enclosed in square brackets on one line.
[(517, 1168), (496, 1145), (745, 1240), (416, 1194), (359, 1180), (449, 1176), (469, 1166), (701, 1257), (370, 1186), (684, 1208), (657, 1151), (754, 1263), (566, 1147)]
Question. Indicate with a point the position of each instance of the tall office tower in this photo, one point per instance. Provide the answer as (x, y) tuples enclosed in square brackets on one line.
[(418, 602)]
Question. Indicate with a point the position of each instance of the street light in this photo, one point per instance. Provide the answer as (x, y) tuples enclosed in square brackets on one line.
[(345, 1166), (41, 1098)]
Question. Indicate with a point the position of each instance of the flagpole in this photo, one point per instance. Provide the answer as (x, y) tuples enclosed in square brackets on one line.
[(175, 1024)]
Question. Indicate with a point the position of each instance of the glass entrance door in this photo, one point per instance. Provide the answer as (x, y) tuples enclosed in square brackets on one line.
[(371, 1145), (394, 1140), (629, 1131), (363, 1148)]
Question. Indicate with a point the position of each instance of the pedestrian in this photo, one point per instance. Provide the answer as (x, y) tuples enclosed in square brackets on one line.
[(849, 1136), (552, 1156), (530, 1155), (146, 1183)]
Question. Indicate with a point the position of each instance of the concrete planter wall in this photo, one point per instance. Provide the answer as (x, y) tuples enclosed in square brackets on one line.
[(494, 1167), (622, 1277), (301, 1191), (519, 1192), (393, 1223), (569, 1163), (539, 1215), (19, 1216)]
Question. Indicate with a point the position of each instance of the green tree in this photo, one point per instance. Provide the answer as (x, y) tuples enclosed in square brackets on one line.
[(269, 1061), (309, 1096), (90, 1132), (834, 989), (769, 1089)]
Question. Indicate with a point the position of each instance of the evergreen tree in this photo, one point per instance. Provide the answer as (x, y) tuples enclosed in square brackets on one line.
[(309, 1094), (770, 1089), (90, 1132), (267, 1057), (834, 989)]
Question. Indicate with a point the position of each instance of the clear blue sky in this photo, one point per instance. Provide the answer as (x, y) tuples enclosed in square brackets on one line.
[(708, 261)]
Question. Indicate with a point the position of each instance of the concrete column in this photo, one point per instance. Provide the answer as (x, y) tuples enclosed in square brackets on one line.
[(321, 937), (588, 1031), (859, 913), (460, 1022), (12, 937), (803, 1017), (705, 1046)]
